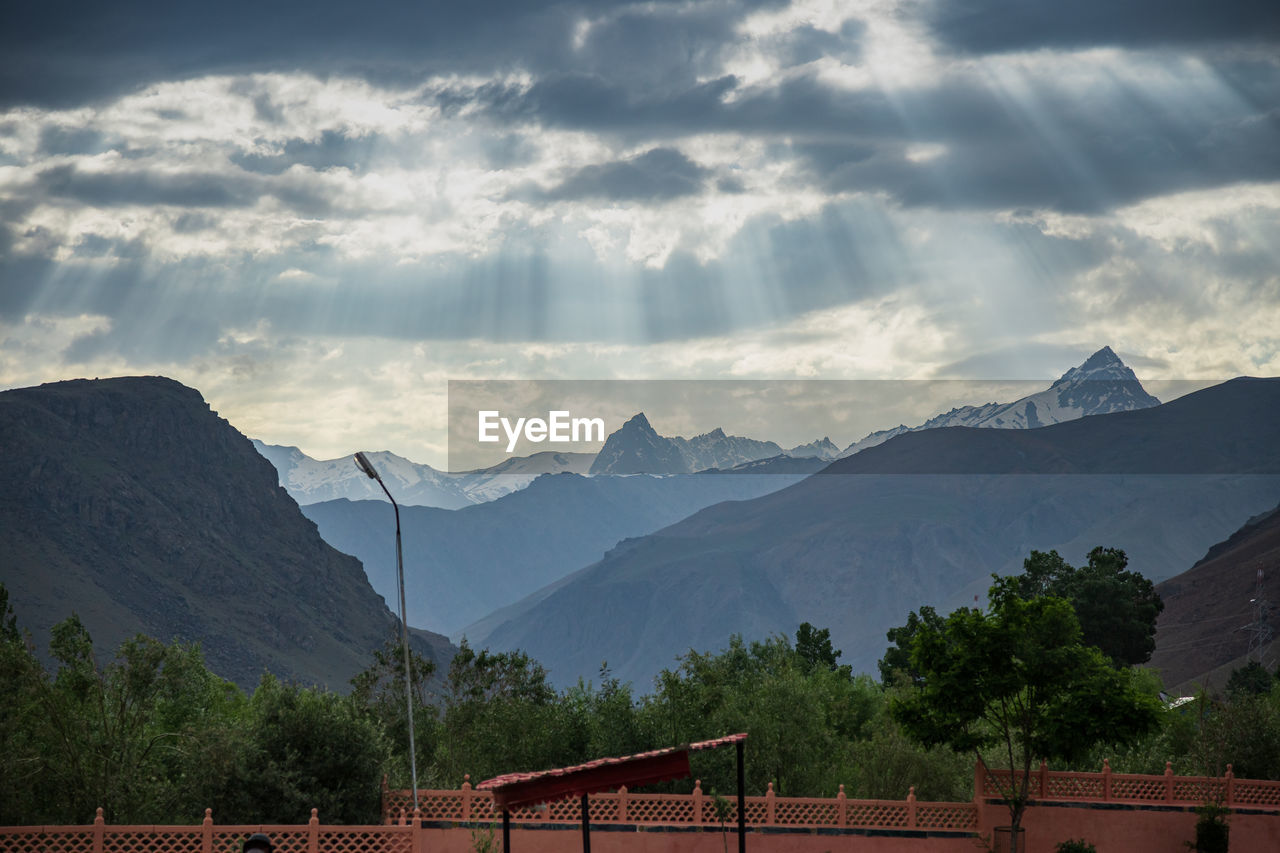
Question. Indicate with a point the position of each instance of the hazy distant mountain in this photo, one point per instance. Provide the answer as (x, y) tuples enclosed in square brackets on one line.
[(823, 448), (637, 448), (510, 475), (310, 480), (923, 519), (1200, 636), (128, 502), (460, 565), (1101, 385)]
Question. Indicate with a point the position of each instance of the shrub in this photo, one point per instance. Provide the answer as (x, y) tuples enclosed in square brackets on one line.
[(1076, 845), (1211, 829)]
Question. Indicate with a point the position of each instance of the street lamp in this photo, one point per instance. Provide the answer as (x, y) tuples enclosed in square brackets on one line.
[(368, 469)]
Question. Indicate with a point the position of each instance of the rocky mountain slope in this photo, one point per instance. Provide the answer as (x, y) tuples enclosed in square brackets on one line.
[(129, 502), (1207, 606), (923, 519)]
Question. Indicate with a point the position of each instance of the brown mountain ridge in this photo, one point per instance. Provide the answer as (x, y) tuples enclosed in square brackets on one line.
[(131, 503)]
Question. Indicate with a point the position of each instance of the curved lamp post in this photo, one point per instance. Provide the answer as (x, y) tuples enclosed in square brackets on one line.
[(368, 469)]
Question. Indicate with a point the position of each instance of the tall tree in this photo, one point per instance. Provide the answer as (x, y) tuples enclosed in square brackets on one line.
[(1117, 608), (502, 715), (1018, 679), (380, 690), (896, 665)]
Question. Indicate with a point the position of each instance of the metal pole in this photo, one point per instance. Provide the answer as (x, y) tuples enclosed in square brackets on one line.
[(404, 640), (586, 825), (506, 830), (367, 467), (742, 802)]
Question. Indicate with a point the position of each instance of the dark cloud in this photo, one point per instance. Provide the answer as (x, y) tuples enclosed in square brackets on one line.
[(807, 43), (182, 189), (660, 174), (994, 26), (112, 189), (193, 222), (1048, 147), (57, 140), (62, 53), (333, 150)]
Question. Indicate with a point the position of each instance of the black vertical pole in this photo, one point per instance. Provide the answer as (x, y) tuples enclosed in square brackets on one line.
[(506, 830), (742, 803), (586, 826)]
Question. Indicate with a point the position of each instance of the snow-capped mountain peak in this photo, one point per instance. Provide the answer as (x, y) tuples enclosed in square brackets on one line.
[(1100, 385)]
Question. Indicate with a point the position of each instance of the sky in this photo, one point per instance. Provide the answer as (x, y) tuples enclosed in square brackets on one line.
[(318, 214)]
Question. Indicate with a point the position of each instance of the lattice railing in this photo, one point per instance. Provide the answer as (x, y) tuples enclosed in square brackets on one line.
[(1106, 786), (697, 808), (310, 837)]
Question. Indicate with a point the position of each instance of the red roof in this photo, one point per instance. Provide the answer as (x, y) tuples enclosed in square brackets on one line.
[(645, 768)]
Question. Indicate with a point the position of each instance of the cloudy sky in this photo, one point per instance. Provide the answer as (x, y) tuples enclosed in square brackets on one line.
[(319, 213)]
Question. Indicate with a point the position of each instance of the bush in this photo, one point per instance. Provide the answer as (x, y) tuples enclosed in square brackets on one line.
[(1076, 845), (1211, 829)]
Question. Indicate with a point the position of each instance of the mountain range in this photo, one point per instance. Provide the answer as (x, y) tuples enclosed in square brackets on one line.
[(466, 565), (923, 518), (460, 565), (311, 480), (131, 504), (637, 448)]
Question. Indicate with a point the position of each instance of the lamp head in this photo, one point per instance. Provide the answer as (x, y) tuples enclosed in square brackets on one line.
[(366, 467)]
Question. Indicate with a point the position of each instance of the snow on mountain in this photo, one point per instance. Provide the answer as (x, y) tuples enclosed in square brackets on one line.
[(716, 450), (1101, 385), (636, 448), (513, 474), (310, 481), (823, 448)]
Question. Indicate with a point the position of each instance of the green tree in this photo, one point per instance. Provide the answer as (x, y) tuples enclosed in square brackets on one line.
[(379, 689), (801, 718), (137, 736), (1018, 680), (896, 665), (815, 649), (1117, 608), (1252, 679), (306, 748), (501, 715), (1244, 732), (123, 735), (21, 724)]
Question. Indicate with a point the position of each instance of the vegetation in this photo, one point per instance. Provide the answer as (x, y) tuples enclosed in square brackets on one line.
[(1117, 609), (1076, 845), (1212, 831), (153, 736), (1018, 680)]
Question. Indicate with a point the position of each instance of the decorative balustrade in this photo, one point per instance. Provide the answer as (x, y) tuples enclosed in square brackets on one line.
[(1109, 787), (698, 808), (695, 809), (438, 810), (311, 837)]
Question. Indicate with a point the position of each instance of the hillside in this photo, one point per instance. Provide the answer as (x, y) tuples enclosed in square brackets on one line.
[(129, 502), (1206, 606), (462, 564), (922, 519)]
